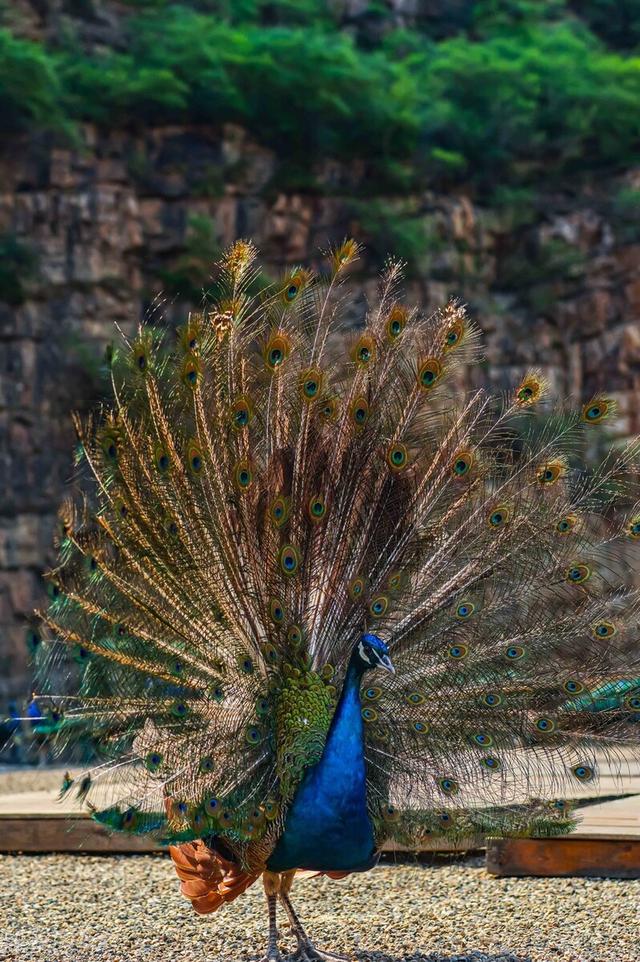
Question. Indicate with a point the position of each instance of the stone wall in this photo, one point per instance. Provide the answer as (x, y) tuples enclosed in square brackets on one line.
[(557, 287)]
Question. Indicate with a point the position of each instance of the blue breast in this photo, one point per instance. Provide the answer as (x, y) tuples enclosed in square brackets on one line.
[(327, 826)]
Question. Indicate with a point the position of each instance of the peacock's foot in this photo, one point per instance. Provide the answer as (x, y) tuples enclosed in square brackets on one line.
[(273, 955), (307, 952)]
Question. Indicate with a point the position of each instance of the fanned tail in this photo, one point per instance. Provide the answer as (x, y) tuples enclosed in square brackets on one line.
[(265, 488)]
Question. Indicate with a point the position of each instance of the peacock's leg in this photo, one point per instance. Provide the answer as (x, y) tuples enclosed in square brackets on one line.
[(271, 883), (306, 952)]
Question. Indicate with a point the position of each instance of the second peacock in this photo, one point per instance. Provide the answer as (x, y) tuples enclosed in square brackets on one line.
[(314, 596)]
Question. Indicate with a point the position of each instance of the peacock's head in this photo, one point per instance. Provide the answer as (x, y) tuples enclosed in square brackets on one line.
[(371, 652)]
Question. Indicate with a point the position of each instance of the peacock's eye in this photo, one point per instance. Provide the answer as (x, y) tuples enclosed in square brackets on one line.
[(545, 724), (583, 773), (515, 652), (578, 573)]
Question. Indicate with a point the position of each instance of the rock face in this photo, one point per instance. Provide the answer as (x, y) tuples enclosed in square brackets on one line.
[(92, 234)]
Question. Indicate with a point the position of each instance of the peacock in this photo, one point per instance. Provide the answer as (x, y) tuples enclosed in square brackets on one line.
[(314, 595)]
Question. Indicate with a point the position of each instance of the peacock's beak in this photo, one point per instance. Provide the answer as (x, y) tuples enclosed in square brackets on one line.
[(385, 662)]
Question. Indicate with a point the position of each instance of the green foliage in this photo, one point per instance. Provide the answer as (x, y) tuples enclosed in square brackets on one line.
[(17, 264), (496, 92), (29, 87)]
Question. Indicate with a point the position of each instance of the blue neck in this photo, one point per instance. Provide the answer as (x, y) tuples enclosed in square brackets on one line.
[(346, 733), (328, 825)]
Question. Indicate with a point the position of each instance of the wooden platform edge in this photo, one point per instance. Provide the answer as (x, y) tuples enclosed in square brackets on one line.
[(79, 835), (582, 857)]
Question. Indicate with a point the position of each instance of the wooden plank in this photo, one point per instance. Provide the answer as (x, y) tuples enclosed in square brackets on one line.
[(42, 833), (569, 856)]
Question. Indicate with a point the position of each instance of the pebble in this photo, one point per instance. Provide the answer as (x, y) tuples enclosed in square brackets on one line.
[(75, 908)]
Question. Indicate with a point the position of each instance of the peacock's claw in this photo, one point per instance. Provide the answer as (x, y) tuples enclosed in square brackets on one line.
[(309, 953), (273, 955)]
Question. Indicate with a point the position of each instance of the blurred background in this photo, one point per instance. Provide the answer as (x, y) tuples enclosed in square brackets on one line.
[(493, 145)]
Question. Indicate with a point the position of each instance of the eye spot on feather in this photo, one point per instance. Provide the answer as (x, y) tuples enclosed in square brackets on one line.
[(311, 381), (397, 457), (206, 765), (241, 413), (356, 588), (121, 509), (604, 629), (453, 336), (294, 285), (420, 727), (270, 653), (415, 698), (396, 322), (577, 574), (530, 390), (226, 818), (633, 528), (458, 652), (243, 475), (279, 511), (191, 371), (551, 471), (499, 516), (573, 687), (271, 809), (211, 806), (162, 461), (429, 373), (597, 409), (317, 508), (515, 652), (289, 559), (372, 694), (217, 693), (390, 813), (397, 582), (482, 739), (492, 700), (378, 606), (566, 524), (360, 412), (276, 611), (153, 761), (294, 635), (364, 351), (633, 702), (491, 763), (369, 714), (262, 706), (448, 786), (465, 610), (584, 773), (462, 463), (330, 409), (327, 673), (277, 351), (195, 461), (245, 664), (140, 357), (171, 528), (253, 735), (109, 445), (545, 725), (180, 709)]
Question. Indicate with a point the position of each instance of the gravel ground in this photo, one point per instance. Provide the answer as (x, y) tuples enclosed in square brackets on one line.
[(56, 908)]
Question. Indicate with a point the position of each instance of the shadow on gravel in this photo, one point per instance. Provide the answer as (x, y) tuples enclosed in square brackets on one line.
[(472, 956)]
